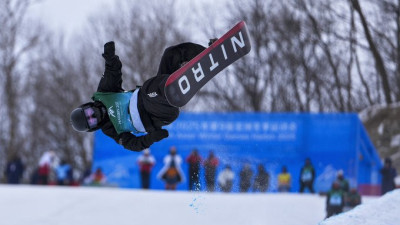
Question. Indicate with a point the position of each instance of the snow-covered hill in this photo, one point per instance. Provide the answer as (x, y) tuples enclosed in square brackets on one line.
[(383, 211), (40, 205)]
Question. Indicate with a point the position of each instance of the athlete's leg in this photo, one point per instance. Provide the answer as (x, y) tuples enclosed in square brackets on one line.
[(175, 56)]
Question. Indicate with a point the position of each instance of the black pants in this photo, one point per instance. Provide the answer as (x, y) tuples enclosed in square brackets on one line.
[(227, 187), (145, 179), (174, 56), (194, 180), (304, 185), (210, 182), (152, 96), (333, 210)]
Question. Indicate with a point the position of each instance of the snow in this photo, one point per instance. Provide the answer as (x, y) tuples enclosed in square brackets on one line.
[(381, 128), (385, 210), (370, 112), (397, 181), (395, 141), (41, 205)]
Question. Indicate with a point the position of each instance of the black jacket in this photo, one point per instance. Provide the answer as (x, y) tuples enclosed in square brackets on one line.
[(111, 81), (14, 171)]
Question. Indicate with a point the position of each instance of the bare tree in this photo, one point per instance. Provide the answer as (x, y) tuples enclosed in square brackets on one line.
[(245, 85), (379, 64), (16, 43), (286, 70), (56, 90), (306, 56), (141, 32), (384, 25)]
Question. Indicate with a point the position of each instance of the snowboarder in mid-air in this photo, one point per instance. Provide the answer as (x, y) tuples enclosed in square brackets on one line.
[(120, 114)]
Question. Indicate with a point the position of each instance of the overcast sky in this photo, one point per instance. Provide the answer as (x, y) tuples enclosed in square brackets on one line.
[(69, 16)]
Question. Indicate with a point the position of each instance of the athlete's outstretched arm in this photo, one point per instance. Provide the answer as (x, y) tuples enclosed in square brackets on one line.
[(132, 142), (111, 81)]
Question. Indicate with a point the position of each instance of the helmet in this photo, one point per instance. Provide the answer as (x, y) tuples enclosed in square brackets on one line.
[(87, 117)]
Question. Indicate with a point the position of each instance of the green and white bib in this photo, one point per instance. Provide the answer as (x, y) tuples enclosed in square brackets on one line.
[(117, 104)]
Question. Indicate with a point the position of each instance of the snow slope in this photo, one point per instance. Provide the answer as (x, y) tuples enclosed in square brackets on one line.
[(383, 211), (42, 205)]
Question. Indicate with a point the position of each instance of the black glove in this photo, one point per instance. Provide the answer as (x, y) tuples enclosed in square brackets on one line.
[(158, 135), (212, 41), (112, 61), (109, 51)]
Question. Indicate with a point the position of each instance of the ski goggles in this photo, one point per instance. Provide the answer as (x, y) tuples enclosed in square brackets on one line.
[(91, 118)]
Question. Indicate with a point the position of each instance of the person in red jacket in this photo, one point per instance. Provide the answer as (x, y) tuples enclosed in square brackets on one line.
[(194, 161), (210, 167)]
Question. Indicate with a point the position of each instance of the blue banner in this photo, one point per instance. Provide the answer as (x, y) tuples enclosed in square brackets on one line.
[(332, 141)]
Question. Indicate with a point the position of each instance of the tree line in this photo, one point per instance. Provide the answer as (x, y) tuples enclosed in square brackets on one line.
[(307, 56)]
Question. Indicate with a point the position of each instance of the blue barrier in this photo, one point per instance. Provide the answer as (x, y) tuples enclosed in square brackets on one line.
[(331, 141)]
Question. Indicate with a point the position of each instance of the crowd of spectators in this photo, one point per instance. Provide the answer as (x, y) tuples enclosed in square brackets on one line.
[(247, 179), (172, 174), (51, 170), (341, 197)]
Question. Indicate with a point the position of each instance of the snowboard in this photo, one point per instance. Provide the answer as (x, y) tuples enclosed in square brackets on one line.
[(184, 83)]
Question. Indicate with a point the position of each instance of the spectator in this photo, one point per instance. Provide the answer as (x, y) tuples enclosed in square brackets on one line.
[(76, 177), (284, 180), (210, 167), (194, 161), (171, 173), (225, 179), (343, 182), (388, 175), (146, 162), (98, 178), (34, 178), (335, 200), (246, 175), (307, 176), (14, 170), (261, 182), (86, 175), (46, 164), (351, 199), (64, 173)]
